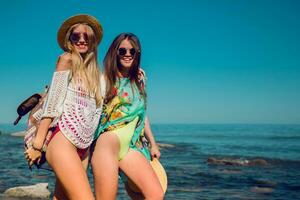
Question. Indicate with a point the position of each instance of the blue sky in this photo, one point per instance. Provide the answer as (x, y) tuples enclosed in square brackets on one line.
[(208, 61)]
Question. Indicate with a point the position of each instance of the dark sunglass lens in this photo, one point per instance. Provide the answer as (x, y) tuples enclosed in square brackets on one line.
[(132, 51), (86, 37), (122, 51), (74, 37)]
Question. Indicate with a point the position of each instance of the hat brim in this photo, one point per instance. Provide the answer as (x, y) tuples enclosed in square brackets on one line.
[(159, 171), (82, 18)]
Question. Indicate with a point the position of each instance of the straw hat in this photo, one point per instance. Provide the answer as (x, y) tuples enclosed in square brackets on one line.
[(82, 18), (160, 172)]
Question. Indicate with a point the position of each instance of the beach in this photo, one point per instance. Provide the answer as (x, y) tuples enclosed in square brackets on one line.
[(205, 161)]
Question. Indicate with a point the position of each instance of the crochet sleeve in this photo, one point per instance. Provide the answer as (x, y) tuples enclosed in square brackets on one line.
[(142, 78), (53, 105)]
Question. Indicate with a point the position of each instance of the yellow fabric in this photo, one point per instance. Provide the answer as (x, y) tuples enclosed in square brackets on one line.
[(125, 135)]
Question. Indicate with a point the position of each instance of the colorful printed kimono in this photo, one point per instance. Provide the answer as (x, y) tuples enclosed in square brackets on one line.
[(126, 106)]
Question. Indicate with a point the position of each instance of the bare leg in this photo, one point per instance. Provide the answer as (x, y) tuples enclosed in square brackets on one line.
[(85, 161), (133, 195), (63, 158), (139, 170), (59, 192), (105, 166)]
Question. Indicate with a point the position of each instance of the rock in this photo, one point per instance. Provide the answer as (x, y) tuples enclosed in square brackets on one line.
[(262, 190), (227, 161), (265, 183), (258, 162), (236, 162), (214, 160), (39, 190), (19, 134), (162, 145)]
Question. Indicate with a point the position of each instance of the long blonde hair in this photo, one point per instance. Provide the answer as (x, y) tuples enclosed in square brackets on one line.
[(87, 68)]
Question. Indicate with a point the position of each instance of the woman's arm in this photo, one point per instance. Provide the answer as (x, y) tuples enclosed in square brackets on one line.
[(154, 150), (34, 154)]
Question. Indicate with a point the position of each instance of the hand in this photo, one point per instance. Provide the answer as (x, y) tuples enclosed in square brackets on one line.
[(154, 151), (33, 156)]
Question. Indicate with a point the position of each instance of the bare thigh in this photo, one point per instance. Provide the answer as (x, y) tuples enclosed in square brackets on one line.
[(139, 170), (105, 166), (63, 158), (133, 195), (59, 191)]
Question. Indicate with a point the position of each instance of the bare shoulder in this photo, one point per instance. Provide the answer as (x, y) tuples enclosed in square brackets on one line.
[(64, 62)]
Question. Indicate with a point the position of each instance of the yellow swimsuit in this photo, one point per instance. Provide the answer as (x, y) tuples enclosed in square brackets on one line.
[(125, 134), (124, 115)]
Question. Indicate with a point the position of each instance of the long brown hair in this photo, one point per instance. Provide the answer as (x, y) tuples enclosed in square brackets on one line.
[(112, 65)]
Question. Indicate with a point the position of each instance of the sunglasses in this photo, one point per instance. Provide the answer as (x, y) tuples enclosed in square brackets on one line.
[(123, 51), (75, 37)]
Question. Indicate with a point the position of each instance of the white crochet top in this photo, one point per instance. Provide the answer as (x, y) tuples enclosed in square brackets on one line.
[(72, 109)]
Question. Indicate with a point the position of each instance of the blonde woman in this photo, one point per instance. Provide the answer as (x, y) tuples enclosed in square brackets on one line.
[(72, 108)]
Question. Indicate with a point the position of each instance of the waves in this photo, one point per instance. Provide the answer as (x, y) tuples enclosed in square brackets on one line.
[(191, 175), (185, 157)]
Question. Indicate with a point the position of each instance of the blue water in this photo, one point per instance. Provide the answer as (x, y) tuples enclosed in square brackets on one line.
[(190, 176)]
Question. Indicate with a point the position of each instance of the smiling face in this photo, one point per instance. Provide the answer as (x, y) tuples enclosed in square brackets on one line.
[(79, 38), (126, 53)]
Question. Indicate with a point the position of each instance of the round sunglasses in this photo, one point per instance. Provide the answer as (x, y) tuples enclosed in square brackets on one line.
[(122, 51), (75, 37)]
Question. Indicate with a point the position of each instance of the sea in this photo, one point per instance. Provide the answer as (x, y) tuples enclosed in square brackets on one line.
[(202, 161)]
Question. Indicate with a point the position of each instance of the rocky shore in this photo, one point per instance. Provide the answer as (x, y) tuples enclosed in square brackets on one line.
[(38, 191)]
